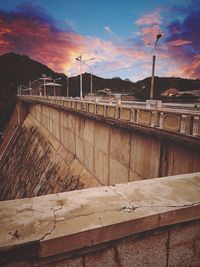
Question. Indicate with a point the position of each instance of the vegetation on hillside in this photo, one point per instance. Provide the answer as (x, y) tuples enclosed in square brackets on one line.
[(18, 69)]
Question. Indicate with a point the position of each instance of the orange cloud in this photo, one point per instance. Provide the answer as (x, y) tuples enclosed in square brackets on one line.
[(149, 19), (149, 34), (39, 40), (192, 70), (179, 42), (38, 37)]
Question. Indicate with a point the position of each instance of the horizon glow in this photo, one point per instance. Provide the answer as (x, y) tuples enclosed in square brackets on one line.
[(120, 36)]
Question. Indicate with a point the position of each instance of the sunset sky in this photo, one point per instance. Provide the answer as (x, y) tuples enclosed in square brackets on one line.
[(119, 34)]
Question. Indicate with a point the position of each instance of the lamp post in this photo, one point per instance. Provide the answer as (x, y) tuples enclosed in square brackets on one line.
[(81, 81), (153, 68), (80, 60), (67, 87), (91, 89), (54, 86), (30, 87), (91, 80), (45, 78)]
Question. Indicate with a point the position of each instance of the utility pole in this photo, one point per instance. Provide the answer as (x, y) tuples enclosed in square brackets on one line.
[(54, 88), (67, 87), (45, 92), (91, 89), (54, 85), (153, 68), (152, 78), (81, 89), (30, 88), (91, 78), (81, 82)]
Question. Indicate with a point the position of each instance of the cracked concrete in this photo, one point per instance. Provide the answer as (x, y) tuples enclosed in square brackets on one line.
[(130, 207), (67, 221), (54, 216)]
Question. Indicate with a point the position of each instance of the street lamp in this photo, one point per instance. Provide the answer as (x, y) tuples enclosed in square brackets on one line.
[(91, 89), (153, 68), (54, 85), (91, 81), (81, 82), (67, 87), (45, 78)]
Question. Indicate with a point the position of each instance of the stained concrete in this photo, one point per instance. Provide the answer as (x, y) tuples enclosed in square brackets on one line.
[(114, 154), (107, 226), (38, 164), (65, 222)]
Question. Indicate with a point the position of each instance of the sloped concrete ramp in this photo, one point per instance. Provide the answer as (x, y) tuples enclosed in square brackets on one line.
[(37, 164)]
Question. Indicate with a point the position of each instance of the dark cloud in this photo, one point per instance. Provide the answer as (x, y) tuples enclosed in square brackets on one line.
[(185, 29), (29, 30), (188, 29)]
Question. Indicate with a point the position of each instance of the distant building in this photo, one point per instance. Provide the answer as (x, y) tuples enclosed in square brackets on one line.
[(124, 96), (46, 86), (170, 92), (104, 92), (174, 95)]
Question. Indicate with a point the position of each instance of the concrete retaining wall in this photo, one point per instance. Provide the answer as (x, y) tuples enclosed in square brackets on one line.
[(113, 154), (152, 222)]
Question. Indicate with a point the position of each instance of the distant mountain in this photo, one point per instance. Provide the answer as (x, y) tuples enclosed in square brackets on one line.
[(142, 88), (18, 69), (15, 70)]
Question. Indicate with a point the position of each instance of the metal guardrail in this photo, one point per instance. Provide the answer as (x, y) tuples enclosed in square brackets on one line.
[(185, 121)]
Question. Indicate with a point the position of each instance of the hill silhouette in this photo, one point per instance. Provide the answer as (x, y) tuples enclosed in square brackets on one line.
[(15, 70), (18, 69)]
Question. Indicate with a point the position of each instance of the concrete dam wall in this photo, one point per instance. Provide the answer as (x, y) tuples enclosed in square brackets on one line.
[(115, 154), (55, 151), (37, 164), (151, 222)]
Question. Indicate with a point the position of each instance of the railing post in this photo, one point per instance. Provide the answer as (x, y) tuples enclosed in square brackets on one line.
[(137, 111), (189, 125), (183, 123), (160, 120), (152, 118), (196, 126)]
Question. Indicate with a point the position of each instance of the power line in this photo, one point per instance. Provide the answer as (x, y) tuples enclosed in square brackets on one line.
[(130, 67), (124, 68)]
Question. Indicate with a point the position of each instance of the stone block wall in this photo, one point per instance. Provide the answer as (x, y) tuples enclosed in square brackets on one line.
[(172, 246), (168, 247)]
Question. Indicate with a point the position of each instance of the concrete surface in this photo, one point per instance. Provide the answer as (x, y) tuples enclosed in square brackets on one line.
[(123, 155), (64, 222), (38, 164)]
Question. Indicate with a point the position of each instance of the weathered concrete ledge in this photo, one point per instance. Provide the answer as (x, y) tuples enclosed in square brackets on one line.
[(60, 223)]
